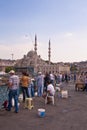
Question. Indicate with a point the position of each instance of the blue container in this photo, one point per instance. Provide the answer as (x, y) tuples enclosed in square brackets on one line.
[(41, 112)]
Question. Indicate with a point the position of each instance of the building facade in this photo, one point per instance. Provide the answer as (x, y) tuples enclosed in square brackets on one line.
[(33, 63)]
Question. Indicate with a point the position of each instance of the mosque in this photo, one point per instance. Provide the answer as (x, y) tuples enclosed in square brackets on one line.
[(33, 63)]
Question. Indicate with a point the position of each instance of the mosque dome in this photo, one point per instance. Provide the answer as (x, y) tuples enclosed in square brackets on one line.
[(31, 53)]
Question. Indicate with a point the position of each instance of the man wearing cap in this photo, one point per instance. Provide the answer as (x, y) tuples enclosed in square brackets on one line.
[(13, 90)]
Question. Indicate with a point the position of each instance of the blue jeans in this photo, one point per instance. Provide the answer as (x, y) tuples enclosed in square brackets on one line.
[(85, 87), (13, 94), (31, 91), (40, 90)]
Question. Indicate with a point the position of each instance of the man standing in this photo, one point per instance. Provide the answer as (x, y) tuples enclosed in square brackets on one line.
[(13, 90), (40, 84), (25, 81)]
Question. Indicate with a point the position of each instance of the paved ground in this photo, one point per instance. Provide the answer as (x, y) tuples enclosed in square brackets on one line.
[(66, 114)]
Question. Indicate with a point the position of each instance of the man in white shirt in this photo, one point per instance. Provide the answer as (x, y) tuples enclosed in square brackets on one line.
[(50, 92), (50, 89)]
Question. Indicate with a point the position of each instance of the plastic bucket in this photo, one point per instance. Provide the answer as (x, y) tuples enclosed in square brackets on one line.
[(41, 112)]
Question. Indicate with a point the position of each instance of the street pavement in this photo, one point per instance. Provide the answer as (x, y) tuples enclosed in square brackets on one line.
[(65, 114)]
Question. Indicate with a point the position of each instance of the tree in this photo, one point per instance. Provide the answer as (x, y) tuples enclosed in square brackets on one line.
[(7, 69)]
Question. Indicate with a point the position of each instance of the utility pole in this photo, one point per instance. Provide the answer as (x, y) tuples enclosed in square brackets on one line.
[(12, 56)]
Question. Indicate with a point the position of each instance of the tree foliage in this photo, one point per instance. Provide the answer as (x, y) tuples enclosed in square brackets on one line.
[(7, 69)]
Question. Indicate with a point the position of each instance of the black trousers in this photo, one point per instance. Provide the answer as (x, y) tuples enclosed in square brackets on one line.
[(25, 92)]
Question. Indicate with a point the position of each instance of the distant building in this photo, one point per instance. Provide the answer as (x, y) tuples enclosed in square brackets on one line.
[(6, 63), (34, 63)]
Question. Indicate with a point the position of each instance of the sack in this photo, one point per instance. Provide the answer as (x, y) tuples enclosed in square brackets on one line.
[(5, 104)]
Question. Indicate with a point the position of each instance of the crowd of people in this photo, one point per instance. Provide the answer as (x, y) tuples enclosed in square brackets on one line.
[(28, 87), (42, 84)]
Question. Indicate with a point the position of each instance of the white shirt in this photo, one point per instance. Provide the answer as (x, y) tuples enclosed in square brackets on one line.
[(14, 79), (51, 76), (51, 89)]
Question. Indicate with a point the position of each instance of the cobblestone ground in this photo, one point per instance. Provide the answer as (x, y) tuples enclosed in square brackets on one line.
[(66, 114)]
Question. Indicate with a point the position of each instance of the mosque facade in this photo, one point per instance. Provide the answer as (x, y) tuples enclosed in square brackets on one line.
[(33, 63)]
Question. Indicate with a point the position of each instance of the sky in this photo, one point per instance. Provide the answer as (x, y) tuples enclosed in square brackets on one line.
[(63, 22)]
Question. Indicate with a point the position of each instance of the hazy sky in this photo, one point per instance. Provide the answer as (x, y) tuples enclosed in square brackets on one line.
[(64, 22)]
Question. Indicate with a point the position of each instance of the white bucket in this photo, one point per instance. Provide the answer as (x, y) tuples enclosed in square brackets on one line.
[(35, 94), (20, 97), (41, 112), (12, 102), (64, 94)]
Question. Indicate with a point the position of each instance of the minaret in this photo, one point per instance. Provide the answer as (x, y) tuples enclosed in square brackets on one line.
[(35, 49), (35, 45), (49, 52)]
